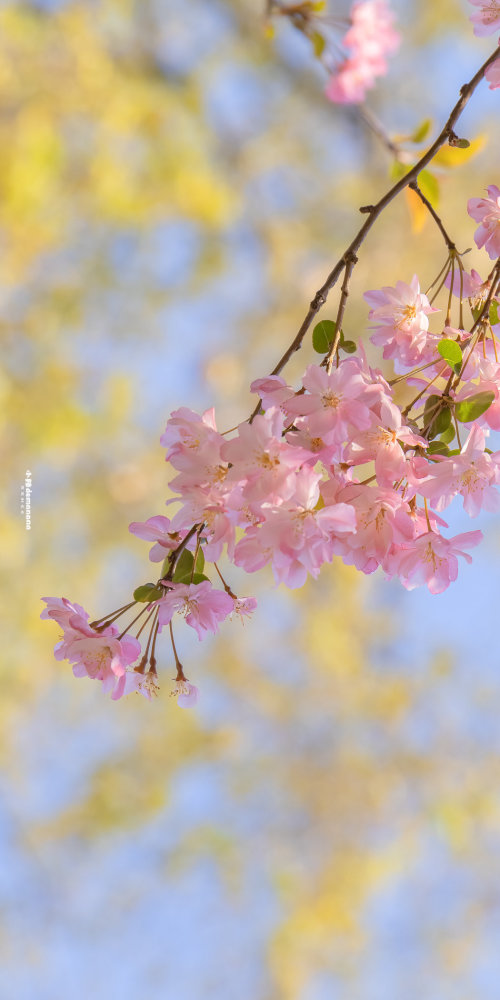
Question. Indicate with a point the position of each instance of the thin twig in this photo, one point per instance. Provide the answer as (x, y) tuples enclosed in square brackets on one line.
[(449, 242), (350, 262)]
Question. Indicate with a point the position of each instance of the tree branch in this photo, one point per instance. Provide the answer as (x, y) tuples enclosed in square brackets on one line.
[(447, 134)]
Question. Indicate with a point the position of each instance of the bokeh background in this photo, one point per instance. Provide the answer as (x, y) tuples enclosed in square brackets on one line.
[(326, 824)]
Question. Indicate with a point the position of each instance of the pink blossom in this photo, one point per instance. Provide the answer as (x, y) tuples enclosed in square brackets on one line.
[(384, 443), (262, 461), (473, 474), (102, 656), (487, 18), (186, 430), (187, 694), (156, 529), (400, 322), (61, 611), (272, 389), (372, 27), (492, 75), (369, 39), (486, 211), (432, 559), (349, 83), (469, 286), (244, 606), (201, 604), (335, 405)]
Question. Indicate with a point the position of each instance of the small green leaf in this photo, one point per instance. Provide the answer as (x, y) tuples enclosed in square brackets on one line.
[(437, 448), (421, 131), (184, 566), (197, 578), (319, 44), (437, 417), (429, 186), (398, 170), (451, 352), (323, 335), (462, 143), (348, 346), (448, 435), (186, 569), (473, 407), (494, 317), (148, 592)]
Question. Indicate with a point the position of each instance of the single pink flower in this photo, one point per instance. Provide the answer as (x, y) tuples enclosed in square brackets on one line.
[(432, 559), (61, 610), (474, 474), (202, 605), (335, 405), (186, 430), (469, 286), (187, 694), (244, 607), (400, 322), (272, 389), (157, 529), (486, 211), (263, 463), (96, 654), (383, 444), (487, 18)]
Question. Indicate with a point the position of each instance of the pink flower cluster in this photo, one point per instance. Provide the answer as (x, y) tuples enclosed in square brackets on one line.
[(370, 38), (333, 468), (100, 655)]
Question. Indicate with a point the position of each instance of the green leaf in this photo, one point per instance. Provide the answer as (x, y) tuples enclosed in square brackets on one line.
[(437, 417), (184, 566), (494, 317), (198, 578), (319, 44), (473, 407), (324, 335), (348, 346), (448, 435), (437, 448), (451, 352), (398, 170), (186, 569), (421, 131), (461, 144), (148, 592), (165, 567), (429, 186)]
